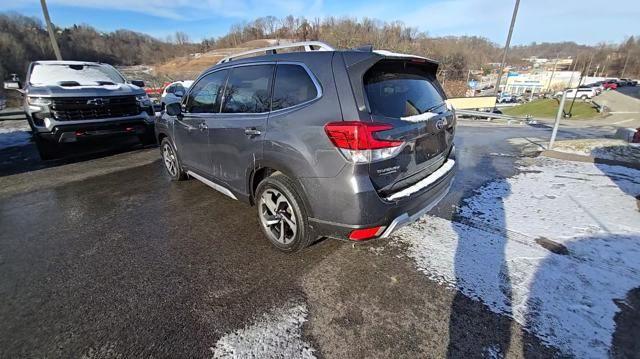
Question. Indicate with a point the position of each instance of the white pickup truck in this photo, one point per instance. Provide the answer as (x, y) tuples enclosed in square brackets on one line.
[(583, 93)]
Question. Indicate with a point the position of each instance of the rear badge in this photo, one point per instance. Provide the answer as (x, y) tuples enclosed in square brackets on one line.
[(388, 170)]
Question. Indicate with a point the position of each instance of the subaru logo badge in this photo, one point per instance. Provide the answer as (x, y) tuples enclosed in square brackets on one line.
[(441, 123), (98, 101)]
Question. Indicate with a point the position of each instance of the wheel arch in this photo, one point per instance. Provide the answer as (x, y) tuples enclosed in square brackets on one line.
[(266, 169)]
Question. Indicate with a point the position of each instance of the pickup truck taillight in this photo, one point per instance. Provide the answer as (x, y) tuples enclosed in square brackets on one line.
[(356, 140)]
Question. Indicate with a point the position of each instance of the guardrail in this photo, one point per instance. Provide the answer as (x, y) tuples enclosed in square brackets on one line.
[(491, 115)]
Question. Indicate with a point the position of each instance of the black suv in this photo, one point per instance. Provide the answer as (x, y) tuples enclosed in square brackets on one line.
[(344, 144), (71, 101)]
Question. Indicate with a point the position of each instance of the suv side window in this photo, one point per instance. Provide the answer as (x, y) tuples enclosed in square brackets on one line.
[(171, 89), (292, 87), (248, 89), (205, 95)]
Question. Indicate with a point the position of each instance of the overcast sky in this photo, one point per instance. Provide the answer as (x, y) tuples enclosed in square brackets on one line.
[(582, 21)]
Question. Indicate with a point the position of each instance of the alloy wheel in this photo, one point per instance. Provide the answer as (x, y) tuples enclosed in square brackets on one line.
[(170, 160), (277, 216)]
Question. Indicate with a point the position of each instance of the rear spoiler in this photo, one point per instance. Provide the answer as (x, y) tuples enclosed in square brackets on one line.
[(358, 62)]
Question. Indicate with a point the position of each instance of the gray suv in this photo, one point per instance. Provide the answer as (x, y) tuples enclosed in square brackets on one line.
[(343, 144), (71, 101)]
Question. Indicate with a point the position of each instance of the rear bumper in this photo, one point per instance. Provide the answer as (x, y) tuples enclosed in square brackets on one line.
[(88, 131), (372, 211), (406, 218)]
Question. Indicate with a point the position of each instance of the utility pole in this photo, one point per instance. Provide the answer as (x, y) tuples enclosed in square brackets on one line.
[(52, 35), (556, 124), (555, 63), (604, 68), (569, 114), (624, 68), (506, 46), (589, 66)]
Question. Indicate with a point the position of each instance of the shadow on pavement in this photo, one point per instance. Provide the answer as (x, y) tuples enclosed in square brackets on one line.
[(562, 294), (492, 338), (625, 340), (596, 279), (25, 158)]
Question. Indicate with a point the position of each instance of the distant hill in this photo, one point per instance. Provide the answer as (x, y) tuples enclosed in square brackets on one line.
[(24, 39), (190, 66)]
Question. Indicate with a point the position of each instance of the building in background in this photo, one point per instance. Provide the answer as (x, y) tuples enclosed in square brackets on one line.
[(540, 81)]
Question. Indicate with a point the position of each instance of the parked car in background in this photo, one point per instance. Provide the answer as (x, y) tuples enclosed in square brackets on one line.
[(72, 101), (345, 144), (597, 86), (3, 102), (583, 93), (174, 92), (610, 85), (621, 82), (505, 98)]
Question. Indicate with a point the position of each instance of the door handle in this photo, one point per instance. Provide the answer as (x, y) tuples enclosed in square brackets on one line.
[(185, 125), (252, 131), (202, 126)]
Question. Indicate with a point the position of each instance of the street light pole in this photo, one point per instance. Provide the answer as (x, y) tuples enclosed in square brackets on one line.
[(506, 46), (52, 35)]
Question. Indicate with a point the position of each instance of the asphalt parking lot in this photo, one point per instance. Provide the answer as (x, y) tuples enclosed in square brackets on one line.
[(103, 256)]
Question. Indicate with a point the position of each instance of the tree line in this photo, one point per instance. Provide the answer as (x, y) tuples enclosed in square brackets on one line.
[(457, 54), (24, 39)]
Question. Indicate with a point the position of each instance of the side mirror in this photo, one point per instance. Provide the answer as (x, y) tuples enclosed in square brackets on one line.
[(12, 85), (174, 109), (138, 83)]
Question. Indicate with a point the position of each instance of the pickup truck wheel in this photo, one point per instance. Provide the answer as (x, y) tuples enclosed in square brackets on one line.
[(171, 160), (47, 150), (282, 216), (148, 138)]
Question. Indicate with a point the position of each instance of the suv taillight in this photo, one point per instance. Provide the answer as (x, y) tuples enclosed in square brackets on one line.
[(357, 142)]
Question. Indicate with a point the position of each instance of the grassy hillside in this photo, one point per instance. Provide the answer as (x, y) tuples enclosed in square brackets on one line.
[(548, 108), (188, 67)]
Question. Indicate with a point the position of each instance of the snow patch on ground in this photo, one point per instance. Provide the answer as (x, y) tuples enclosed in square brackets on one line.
[(14, 133), (277, 334), (491, 255), (560, 200), (610, 149)]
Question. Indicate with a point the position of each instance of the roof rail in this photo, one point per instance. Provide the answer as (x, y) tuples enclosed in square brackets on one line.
[(307, 45)]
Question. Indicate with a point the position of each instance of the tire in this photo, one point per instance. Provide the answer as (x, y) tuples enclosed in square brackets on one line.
[(46, 149), (277, 196), (148, 138), (171, 160)]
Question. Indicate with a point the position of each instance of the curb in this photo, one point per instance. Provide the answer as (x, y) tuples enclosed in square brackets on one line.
[(589, 159)]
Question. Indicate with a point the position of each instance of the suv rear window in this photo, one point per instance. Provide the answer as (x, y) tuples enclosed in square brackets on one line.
[(292, 87), (248, 89), (400, 89)]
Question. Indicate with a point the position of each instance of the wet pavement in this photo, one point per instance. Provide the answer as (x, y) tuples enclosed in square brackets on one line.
[(106, 257)]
